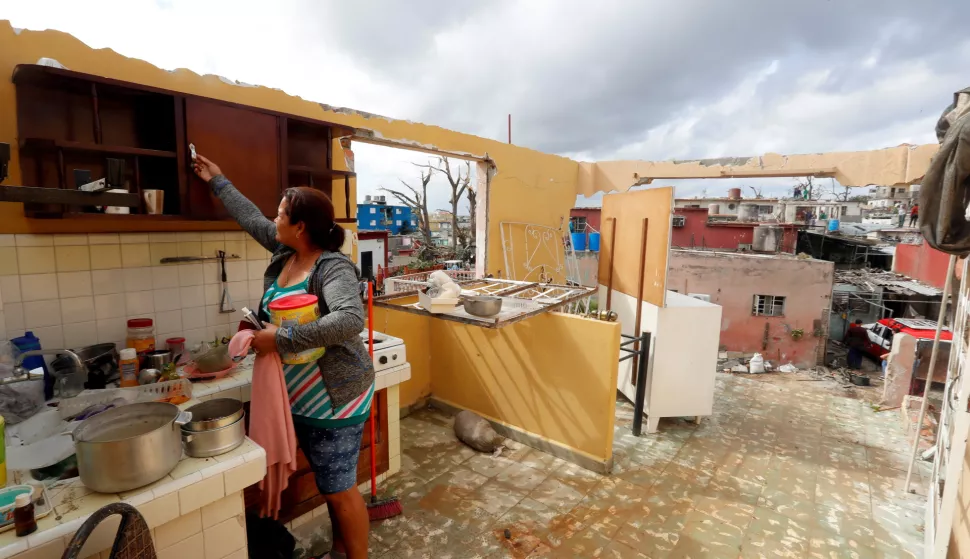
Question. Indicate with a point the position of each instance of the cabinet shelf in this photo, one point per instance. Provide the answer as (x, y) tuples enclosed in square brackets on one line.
[(44, 144), (327, 173)]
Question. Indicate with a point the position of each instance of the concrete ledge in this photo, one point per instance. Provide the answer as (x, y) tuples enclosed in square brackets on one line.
[(535, 441)]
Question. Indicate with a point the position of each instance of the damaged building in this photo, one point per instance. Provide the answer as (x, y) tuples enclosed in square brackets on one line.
[(776, 305)]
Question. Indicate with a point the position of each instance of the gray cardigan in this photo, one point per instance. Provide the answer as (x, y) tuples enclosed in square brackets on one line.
[(346, 366)]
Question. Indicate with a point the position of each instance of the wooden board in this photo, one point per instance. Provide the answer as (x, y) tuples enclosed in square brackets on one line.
[(244, 144), (629, 209)]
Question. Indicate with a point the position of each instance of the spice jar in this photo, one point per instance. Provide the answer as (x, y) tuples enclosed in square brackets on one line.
[(23, 515), (141, 336), (128, 367)]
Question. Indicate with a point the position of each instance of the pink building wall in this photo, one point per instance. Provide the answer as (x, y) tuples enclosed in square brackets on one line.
[(922, 262), (732, 281)]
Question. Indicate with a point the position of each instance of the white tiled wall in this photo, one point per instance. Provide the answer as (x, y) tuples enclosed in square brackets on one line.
[(77, 290)]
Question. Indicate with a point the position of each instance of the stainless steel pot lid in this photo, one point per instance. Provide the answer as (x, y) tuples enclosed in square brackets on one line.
[(214, 414), (126, 422)]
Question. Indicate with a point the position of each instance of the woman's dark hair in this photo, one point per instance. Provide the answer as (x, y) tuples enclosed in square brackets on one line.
[(314, 210)]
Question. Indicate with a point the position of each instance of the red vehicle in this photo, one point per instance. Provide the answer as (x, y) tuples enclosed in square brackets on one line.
[(881, 333)]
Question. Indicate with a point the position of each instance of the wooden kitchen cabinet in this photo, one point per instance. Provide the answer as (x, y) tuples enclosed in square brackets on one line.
[(302, 496), (245, 144), (73, 123)]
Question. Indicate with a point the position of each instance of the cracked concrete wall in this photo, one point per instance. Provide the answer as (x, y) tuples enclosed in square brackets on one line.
[(900, 165)]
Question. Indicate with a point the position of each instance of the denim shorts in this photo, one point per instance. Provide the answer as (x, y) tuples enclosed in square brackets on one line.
[(332, 454)]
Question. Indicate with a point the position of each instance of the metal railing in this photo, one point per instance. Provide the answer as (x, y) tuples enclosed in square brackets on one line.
[(640, 354)]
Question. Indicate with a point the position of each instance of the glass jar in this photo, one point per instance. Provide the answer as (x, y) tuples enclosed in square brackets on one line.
[(141, 336)]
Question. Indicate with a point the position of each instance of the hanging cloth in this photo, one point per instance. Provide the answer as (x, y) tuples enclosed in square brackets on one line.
[(270, 422), (944, 197)]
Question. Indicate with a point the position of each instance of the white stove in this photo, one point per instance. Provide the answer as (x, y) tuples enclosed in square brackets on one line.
[(388, 350)]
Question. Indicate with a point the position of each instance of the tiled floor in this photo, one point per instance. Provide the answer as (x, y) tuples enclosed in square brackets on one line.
[(776, 472)]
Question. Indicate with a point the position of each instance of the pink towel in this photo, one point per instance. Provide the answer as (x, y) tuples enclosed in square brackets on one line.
[(270, 422)]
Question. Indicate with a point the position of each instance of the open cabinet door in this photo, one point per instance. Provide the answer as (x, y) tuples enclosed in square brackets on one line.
[(622, 239)]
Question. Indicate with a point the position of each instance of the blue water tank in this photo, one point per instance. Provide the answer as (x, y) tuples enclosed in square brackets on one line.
[(579, 241), (594, 242), (833, 225), (29, 342)]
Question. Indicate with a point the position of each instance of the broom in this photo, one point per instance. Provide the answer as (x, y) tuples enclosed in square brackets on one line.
[(387, 507)]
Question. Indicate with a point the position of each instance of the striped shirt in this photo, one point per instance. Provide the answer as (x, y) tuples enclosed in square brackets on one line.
[(309, 400)]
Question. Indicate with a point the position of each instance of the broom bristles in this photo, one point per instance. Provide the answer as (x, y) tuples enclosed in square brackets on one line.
[(384, 508)]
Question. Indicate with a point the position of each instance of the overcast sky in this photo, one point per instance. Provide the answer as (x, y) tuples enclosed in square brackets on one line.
[(632, 79)]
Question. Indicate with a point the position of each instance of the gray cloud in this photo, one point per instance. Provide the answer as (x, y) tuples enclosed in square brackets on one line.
[(594, 82), (615, 79)]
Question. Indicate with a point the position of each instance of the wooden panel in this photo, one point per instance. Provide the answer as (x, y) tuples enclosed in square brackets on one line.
[(245, 145), (621, 246)]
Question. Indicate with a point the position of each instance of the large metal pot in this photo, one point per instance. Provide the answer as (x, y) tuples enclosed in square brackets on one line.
[(129, 447), (214, 414), (213, 442)]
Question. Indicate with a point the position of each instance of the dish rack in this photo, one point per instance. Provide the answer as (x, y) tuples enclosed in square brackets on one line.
[(146, 393)]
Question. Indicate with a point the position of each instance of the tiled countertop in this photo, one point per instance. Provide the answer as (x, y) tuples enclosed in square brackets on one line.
[(237, 384), (194, 483)]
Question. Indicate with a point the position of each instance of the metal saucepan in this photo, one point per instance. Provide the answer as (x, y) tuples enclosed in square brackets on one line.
[(157, 359), (213, 442), (484, 306), (214, 414), (100, 361), (129, 447)]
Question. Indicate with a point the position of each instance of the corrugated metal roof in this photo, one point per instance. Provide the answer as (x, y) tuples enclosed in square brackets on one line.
[(917, 287)]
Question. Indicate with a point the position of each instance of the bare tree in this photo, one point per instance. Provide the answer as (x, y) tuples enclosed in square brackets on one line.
[(417, 201), (808, 189), (757, 192), (843, 193), (459, 185)]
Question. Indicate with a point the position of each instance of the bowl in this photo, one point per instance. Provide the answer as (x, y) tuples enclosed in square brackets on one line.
[(482, 305), (212, 360)]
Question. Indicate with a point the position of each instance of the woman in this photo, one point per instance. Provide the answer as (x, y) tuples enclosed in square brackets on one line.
[(330, 399)]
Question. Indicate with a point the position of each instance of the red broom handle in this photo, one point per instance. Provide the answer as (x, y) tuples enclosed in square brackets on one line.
[(370, 348)]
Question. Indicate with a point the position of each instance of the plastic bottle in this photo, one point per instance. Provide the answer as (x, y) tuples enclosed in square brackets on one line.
[(128, 364), (23, 515), (29, 342)]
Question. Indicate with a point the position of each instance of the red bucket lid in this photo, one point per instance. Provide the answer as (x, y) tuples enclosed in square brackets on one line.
[(175, 341), (291, 302), (140, 323)]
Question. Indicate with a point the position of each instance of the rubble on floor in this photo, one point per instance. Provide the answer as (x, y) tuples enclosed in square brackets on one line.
[(777, 471)]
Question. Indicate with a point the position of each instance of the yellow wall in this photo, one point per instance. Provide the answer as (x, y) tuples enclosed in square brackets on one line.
[(552, 375), (415, 331), (527, 186)]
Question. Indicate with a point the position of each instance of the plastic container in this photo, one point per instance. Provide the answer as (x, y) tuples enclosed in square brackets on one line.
[(579, 240), (293, 310), (141, 335), (29, 342), (128, 366), (594, 242), (833, 225), (177, 347)]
